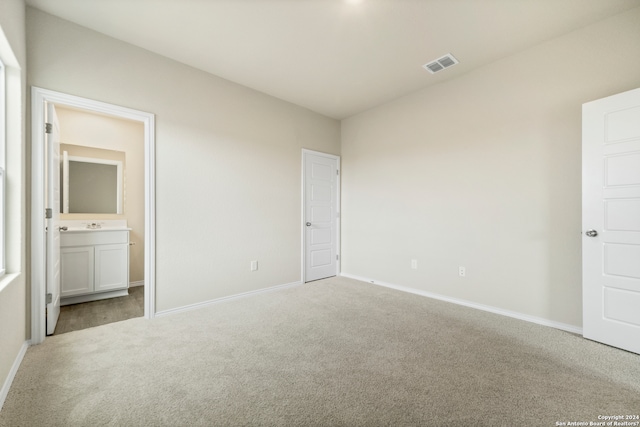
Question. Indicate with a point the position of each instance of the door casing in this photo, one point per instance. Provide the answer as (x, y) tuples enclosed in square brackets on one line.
[(38, 248)]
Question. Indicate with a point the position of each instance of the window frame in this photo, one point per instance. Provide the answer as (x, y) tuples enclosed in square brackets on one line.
[(3, 149)]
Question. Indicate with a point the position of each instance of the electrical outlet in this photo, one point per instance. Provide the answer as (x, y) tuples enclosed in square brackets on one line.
[(254, 265), (414, 264), (462, 271)]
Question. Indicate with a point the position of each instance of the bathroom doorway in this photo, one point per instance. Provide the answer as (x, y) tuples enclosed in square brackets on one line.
[(92, 129), (102, 183)]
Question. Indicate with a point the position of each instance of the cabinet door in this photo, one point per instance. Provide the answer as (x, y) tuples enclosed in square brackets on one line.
[(76, 269), (112, 267)]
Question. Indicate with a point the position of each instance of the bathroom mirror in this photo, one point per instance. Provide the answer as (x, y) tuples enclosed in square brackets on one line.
[(91, 185)]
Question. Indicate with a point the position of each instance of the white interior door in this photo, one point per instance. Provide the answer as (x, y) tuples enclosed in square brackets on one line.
[(321, 204), (611, 220), (52, 165)]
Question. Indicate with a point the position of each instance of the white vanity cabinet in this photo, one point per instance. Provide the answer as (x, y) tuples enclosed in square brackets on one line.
[(94, 264)]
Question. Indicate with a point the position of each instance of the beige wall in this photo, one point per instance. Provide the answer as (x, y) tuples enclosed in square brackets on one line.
[(484, 172), (13, 327), (86, 129), (227, 159)]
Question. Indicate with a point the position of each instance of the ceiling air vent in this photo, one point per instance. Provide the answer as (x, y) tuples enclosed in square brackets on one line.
[(441, 63)]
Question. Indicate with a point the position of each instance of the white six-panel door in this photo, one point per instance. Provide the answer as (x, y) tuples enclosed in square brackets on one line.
[(320, 174), (611, 220)]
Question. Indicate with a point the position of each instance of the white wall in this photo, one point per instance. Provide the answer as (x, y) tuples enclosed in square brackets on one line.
[(484, 172), (13, 329), (227, 158)]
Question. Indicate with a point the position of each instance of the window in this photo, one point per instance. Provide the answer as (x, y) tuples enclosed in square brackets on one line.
[(2, 245), (3, 133)]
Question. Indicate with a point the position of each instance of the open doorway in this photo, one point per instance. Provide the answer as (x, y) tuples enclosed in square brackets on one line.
[(93, 130), (102, 186)]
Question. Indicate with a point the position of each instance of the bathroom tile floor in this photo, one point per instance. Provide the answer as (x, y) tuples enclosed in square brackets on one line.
[(95, 313)]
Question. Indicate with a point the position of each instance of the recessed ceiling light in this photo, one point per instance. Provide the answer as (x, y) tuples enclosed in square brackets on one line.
[(441, 63)]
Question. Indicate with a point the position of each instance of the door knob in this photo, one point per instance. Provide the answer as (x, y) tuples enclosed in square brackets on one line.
[(63, 228), (591, 233), (308, 224)]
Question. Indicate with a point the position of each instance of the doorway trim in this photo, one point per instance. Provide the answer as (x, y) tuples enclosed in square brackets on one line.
[(303, 219), (38, 249)]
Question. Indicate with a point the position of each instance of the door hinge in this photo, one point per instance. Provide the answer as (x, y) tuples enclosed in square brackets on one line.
[(48, 128), (49, 298), (337, 171), (48, 213), (337, 257)]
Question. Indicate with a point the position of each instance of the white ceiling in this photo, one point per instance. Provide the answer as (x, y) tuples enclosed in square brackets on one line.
[(335, 57)]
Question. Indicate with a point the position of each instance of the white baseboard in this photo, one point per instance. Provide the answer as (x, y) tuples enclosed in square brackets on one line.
[(138, 283), (4, 391), (495, 310), (224, 299)]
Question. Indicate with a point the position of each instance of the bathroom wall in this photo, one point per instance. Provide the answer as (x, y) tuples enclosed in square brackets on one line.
[(91, 135)]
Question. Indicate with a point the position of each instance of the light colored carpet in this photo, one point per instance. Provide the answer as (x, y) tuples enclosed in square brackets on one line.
[(334, 352)]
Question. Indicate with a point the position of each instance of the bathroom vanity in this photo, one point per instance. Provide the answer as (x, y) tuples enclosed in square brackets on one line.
[(94, 262)]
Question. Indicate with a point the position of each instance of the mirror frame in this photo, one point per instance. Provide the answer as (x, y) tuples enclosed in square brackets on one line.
[(66, 158)]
